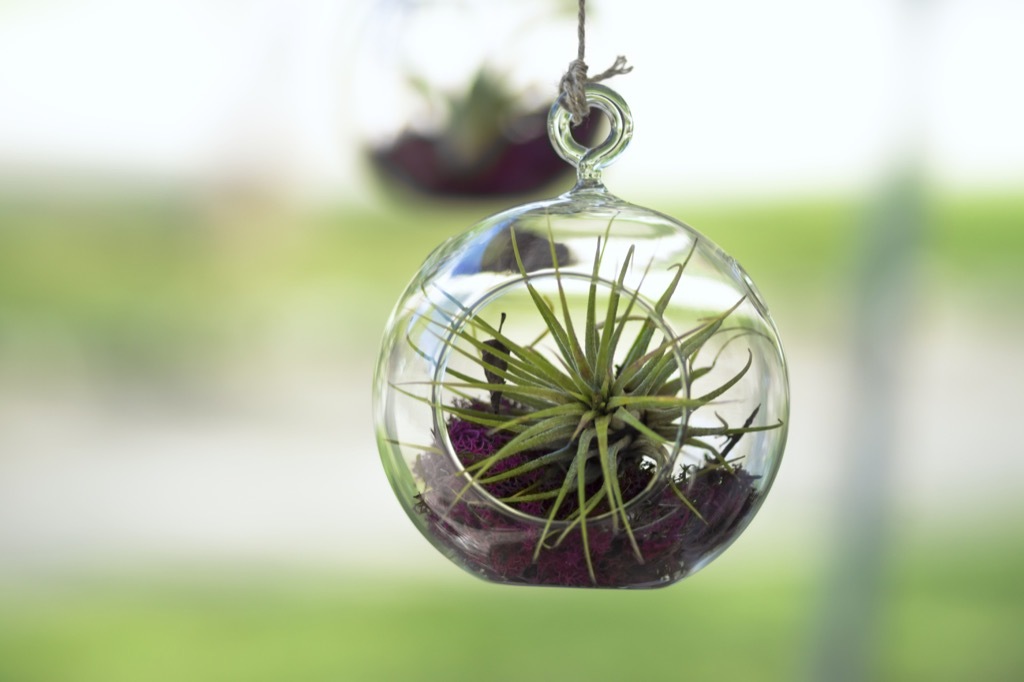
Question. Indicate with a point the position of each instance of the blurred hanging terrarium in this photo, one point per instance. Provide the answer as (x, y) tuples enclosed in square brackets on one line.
[(581, 391), (455, 96)]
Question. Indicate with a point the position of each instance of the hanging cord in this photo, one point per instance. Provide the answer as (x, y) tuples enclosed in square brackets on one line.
[(573, 86)]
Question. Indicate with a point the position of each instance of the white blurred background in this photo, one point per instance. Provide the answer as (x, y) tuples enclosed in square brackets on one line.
[(740, 97)]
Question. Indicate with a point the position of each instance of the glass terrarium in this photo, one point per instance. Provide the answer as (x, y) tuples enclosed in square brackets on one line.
[(451, 96), (581, 391)]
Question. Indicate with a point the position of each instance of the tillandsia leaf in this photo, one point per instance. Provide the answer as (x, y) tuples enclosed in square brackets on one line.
[(531, 370), (578, 515), (502, 352), (510, 378), (714, 452), (742, 332), (419, 351), (697, 431), (615, 493), (576, 386), (580, 358), (642, 378), (605, 350), (593, 343), (571, 410), (525, 398), (695, 374), (581, 493), (595, 277), (628, 417), (567, 422), (551, 375), (530, 497), (582, 453), (652, 401), (550, 395), (640, 367), (711, 395), (530, 361), (585, 420), (608, 456), (643, 339), (533, 358), (697, 341), (489, 359), (736, 438), (468, 399), (523, 402), (433, 449), (601, 427), (536, 436), (653, 381), (562, 455), (558, 333), (525, 381), (626, 317), (688, 342), (666, 423), (479, 417), (476, 416), (591, 332), (686, 501), (532, 438), (530, 489)]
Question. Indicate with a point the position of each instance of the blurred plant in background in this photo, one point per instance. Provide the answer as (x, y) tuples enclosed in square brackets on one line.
[(468, 122), (487, 149)]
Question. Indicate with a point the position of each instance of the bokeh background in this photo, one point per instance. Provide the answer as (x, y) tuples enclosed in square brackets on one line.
[(197, 263)]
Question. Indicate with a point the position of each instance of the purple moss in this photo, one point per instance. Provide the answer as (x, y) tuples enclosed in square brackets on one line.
[(671, 538)]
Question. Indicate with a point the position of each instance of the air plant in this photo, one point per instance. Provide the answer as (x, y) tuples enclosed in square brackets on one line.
[(483, 150), (573, 429)]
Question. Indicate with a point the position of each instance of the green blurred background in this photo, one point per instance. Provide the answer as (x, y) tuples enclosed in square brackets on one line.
[(196, 268)]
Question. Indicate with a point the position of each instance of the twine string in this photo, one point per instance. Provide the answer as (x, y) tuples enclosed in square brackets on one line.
[(573, 86)]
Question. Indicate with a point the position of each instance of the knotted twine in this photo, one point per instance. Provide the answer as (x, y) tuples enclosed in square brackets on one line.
[(573, 86)]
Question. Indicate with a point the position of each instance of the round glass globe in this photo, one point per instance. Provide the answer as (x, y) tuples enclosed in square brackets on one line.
[(581, 391)]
